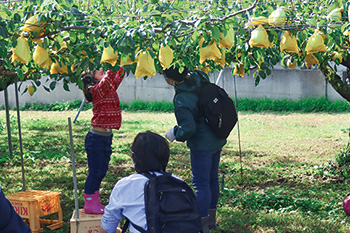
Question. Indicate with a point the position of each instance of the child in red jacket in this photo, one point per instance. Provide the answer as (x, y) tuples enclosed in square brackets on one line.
[(101, 89)]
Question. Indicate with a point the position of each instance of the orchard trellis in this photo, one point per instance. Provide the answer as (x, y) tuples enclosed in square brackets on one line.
[(62, 38)]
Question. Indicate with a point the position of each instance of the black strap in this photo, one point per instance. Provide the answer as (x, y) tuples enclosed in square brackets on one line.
[(126, 225), (151, 175), (203, 79)]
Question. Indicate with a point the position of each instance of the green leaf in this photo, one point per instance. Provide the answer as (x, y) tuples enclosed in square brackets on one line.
[(20, 74), (17, 17), (37, 83), (47, 89), (73, 37), (53, 85), (268, 71), (4, 32), (257, 80), (195, 36), (145, 7), (59, 39), (273, 61), (216, 33), (65, 85), (80, 84), (57, 45), (262, 74)]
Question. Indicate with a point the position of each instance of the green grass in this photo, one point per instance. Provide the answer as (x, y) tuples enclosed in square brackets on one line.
[(244, 104), (294, 165)]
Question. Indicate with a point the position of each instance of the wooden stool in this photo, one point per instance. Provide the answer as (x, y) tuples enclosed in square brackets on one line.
[(33, 204), (87, 223)]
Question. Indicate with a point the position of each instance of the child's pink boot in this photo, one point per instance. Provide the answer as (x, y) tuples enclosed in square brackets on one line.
[(98, 198), (92, 204)]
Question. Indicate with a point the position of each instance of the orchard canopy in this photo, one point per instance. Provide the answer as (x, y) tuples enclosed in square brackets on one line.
[(60, 39)]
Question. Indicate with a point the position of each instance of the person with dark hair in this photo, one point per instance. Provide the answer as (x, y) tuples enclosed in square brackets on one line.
[(205, 146), (10, 221), (101, 89), (149, 153)]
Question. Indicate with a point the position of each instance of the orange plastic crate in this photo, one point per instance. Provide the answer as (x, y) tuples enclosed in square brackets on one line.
[(34, 204)]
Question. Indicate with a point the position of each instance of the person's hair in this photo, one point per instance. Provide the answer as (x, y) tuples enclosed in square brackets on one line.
[(89, 82), (150, 152), (173, 73)]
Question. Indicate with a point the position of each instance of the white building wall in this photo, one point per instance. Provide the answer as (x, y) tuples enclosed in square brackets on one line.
[(282, 83)]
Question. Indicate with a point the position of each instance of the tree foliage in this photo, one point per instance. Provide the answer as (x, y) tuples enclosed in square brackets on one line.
[(75, 34)]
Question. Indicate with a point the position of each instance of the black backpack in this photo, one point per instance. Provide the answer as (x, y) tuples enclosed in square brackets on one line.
[(217, 107), (171, 206)]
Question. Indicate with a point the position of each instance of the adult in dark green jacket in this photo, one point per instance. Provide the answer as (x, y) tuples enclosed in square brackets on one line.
[(205, 147)]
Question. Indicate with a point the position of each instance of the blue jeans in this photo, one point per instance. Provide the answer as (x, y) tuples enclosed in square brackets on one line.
[(205, 168), (99, 150), (10, 221)]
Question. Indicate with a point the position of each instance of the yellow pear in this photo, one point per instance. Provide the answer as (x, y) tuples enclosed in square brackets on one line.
[(22, 52), (109, 56), (41, 57), (63, 46), (210, 52), (145, 65), (126, 60), (315, 44), (310, 60), (260, 20), (166, 56), (31, 90), (32, 25), (56, 68), (277, 18), (222, 60), (240, 70), (228, 40), (335, 14), (291, 64), (324, 36), (259, 38), (337, 55), (289, 43)]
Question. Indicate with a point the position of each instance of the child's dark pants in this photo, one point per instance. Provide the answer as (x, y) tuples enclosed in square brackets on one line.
[(98, 147)]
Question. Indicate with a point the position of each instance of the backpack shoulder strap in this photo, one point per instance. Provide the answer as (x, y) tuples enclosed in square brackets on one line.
[(202, 74), (204, 80), (151, 175), (148, 175), (204, 77), (126, 225)]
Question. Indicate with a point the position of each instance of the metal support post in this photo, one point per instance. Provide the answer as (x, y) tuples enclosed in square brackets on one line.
[(8, 122)]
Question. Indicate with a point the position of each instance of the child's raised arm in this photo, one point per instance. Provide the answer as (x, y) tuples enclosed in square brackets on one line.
[(118, 76), (111, 81)]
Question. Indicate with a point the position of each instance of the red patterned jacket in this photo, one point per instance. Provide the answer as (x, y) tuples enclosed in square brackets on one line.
[(106, 105)]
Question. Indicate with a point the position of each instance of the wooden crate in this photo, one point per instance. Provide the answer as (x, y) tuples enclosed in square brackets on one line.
[(87, 223), (34, 204)]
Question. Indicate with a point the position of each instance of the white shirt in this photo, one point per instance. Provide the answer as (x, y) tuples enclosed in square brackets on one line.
[(127, 199)]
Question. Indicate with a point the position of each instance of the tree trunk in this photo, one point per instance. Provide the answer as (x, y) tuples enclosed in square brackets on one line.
[(335, 81)]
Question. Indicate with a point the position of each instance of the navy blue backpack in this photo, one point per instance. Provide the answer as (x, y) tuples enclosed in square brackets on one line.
[(171, 206)]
